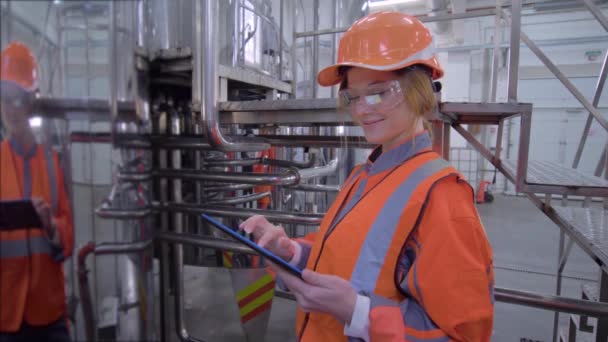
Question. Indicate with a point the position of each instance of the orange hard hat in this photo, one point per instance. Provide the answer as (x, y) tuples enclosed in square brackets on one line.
[(383, 41), (18, 65)]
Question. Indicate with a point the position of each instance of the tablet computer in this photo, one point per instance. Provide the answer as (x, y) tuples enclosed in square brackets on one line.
[(261, 250), (18, 214)]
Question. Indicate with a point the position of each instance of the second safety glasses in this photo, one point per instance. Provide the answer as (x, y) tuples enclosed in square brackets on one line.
[(379, 97)]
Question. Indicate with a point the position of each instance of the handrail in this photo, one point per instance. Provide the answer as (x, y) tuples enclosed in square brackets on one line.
[(287, 177)]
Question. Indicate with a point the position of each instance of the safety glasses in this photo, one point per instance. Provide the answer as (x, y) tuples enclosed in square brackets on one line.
[(378, 97), (12, 97)]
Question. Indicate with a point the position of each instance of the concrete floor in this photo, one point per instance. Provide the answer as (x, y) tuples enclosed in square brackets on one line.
[(525, 246)]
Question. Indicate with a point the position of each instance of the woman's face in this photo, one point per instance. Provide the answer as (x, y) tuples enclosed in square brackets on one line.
[(384, 125)]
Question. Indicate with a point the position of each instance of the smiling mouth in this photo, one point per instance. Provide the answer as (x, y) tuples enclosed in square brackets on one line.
[(371, 122)]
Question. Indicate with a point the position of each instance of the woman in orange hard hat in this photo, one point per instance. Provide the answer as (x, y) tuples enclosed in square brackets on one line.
[(32, 291), (401, 255)]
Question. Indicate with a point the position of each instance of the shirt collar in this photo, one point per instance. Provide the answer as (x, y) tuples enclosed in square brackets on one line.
[(19, 150), (379, 161)]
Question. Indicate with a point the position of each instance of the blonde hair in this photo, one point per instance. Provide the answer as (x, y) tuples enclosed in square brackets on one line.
[(416, 84)]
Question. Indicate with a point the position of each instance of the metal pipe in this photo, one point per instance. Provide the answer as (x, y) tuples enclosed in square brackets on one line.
[(106, 248), (495, 51), (553, 303), (113, 58), (597, 13), (122, 214), (205, 87), (423, 18), (514, 49), (315, 49), (571, 87), (228, 187), (320, 171), (243, 213), (288, 177), (240, 199), (316, 188), (205, 241), (255, 161), (85, 292), (281, 20), (317, 141), (599, 87)]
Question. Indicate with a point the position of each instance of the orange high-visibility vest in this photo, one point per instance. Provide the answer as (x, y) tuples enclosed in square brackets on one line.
[(364, 234), (31, 271)]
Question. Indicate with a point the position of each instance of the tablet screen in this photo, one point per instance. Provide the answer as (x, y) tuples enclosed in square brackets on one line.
[(261, 250), (18, 214)]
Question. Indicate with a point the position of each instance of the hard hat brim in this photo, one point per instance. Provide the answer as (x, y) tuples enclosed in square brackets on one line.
[(331, 76)]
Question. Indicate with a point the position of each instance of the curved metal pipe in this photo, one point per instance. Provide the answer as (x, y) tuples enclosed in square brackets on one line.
[(319, 171), (240, 199), (205, 80), (263, 160), (554, 303), (288, 177), (223, 211)]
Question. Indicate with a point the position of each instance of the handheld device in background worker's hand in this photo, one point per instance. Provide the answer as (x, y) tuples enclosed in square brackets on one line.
[(44, 213)]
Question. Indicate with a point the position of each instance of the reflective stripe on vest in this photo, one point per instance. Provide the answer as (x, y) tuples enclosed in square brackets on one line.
[(19, 248), (50, 168), (381, 234)]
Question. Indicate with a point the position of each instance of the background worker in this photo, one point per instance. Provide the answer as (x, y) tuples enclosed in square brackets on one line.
[(32, 289), (401, 255)]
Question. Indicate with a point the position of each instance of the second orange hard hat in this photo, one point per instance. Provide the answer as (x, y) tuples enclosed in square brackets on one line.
[(18, 65), (383, 41)]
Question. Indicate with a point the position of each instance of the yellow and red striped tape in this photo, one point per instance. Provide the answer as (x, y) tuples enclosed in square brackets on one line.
[(255, 298)]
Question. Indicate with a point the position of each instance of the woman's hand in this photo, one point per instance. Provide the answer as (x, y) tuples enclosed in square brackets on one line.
[(321, 293), (44, 212), (269, 236)]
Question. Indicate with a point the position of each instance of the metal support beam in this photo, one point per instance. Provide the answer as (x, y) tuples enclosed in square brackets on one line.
[(579, 96), (514, 49), (597, 13), (599, 87)]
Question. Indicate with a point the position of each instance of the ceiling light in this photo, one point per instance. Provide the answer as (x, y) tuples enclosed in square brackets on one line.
[(379, 3), (57, 2), (35, 122)]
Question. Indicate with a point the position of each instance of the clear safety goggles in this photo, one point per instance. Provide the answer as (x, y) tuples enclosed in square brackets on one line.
[(378, 97), (13, 97)]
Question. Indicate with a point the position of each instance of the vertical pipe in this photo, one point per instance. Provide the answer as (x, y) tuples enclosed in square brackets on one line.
[(281, 26), (514, 49), (294, 47), (602, 323), (9, 21), (86, 56), (60, 54), (236, 37), (334, 39), (558, 286), (495, 51), (315, 49), (113, 58), (599, 87)]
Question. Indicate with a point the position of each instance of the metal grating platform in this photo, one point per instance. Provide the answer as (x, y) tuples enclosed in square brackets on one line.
[(589, 228), (549, 177), (482, 113)]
